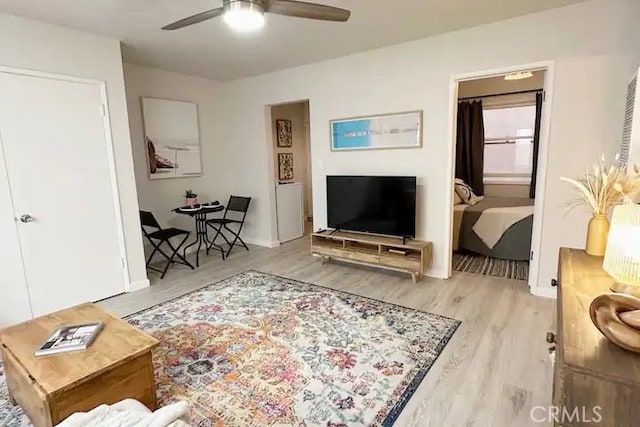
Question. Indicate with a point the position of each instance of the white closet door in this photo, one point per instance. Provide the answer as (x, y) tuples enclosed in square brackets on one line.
[(57, 160), (14, 298)]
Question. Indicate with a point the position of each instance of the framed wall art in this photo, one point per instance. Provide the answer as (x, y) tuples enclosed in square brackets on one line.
[(284, 133), (172, 138), (285, 166), (385, 131)]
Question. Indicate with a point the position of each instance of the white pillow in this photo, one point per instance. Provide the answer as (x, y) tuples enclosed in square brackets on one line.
[(466, 193)]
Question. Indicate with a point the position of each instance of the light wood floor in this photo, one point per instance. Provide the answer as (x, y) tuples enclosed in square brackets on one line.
[(495, 368)]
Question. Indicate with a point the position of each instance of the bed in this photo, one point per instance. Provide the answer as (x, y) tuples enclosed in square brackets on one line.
[(496, 227)]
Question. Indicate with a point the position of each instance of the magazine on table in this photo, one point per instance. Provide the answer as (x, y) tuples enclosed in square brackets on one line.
[(70, 338)]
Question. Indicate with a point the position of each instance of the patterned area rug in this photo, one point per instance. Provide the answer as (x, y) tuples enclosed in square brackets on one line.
[(260, 350), (479, 264)]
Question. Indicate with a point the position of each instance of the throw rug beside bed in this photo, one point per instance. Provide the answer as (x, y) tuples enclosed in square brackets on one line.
[(479, 264), (261, 350)]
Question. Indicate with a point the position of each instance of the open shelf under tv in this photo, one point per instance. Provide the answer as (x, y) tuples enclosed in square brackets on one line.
[(412, 256)]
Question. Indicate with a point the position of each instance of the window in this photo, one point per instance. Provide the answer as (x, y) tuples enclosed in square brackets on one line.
[(508, 146)]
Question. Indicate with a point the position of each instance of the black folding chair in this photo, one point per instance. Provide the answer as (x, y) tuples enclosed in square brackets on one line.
[(160, 236), (238, 207)]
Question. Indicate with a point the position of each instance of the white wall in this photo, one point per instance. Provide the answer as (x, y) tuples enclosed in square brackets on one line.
[(591, 43), (161, 196), (35, 46)]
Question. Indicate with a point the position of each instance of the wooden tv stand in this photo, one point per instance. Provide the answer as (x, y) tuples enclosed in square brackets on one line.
[(380, 251)]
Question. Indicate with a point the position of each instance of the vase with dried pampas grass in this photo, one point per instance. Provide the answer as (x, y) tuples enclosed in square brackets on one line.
[(599, 189)]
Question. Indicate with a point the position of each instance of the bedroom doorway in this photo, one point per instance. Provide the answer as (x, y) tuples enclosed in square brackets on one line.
[(291, 172), (498, 151)]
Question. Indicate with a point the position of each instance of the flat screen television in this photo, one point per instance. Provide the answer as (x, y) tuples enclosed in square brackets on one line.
[(372, 204)]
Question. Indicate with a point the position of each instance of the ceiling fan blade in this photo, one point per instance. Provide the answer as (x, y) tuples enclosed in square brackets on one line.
[(301, 9), (199, 17)]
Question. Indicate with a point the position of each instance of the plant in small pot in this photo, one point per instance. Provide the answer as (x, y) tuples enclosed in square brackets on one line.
[(192, 198), (599, 189)]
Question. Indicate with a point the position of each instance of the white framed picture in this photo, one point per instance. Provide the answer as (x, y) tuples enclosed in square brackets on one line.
[(172, 138), (384, 131)]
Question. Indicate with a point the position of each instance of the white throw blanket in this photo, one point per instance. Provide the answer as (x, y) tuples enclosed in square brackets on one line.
[(495, 221), (130, 413)]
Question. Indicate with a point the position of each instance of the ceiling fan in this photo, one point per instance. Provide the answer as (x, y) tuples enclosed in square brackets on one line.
[(248, 15)]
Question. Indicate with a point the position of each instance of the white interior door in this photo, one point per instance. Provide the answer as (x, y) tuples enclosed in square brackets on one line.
[(14, 300), (59, 172), (290, 211)]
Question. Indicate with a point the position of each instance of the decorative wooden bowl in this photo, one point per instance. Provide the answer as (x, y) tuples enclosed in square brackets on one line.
[(617, 316)]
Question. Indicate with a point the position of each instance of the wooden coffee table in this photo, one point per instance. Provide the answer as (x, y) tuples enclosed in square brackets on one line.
[(116, 366)]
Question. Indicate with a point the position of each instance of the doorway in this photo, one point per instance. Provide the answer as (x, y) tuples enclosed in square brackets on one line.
[(290, 143), (499, 138)]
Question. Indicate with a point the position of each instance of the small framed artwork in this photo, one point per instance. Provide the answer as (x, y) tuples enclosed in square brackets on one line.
[(285, 166), (284, 133), (384, 131)]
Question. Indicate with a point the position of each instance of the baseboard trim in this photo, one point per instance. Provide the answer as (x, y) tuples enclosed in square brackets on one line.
[(249, 240), (141, 284), (545, 292), (260, 242)]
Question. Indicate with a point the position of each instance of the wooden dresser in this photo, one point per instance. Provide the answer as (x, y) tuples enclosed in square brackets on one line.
[(590, 371)]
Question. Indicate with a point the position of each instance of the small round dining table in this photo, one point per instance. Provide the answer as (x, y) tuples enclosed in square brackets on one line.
[(199, 213)]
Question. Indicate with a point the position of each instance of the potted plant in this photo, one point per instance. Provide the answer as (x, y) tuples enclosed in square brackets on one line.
[(600, 189), (192, 198)]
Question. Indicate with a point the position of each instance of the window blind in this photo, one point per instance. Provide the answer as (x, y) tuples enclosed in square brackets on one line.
[(625, 148)]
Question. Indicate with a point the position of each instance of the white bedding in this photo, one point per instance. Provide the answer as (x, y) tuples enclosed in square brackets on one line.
[(491, 225), (495, 221), (131, 413)]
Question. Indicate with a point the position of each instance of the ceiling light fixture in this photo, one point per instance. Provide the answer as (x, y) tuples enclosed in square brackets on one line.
[(519, 76), (244, 16)]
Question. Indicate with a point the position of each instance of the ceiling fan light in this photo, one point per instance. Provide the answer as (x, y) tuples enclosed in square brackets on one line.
[(519, 76), (244, 16)]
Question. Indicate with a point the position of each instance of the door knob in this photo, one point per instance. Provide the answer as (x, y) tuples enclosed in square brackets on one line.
[(26, 218)]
